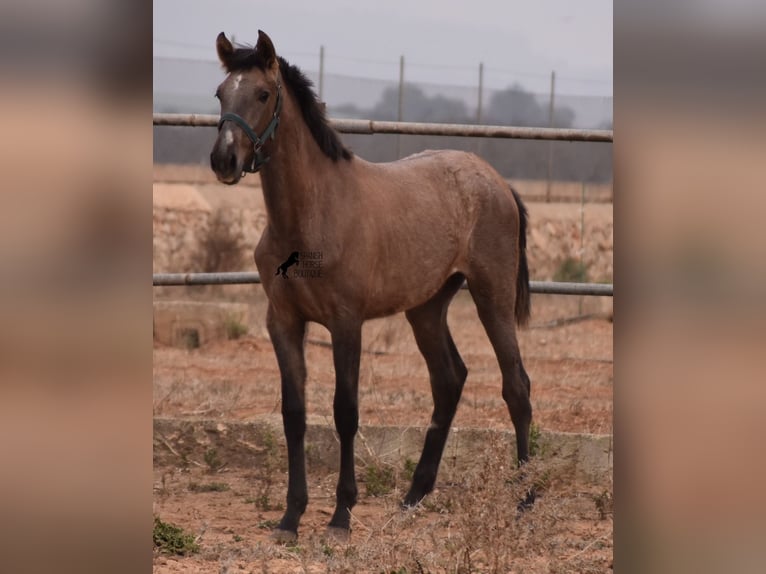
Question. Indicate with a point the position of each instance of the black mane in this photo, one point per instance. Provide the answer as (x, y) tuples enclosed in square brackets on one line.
[(301, 87)]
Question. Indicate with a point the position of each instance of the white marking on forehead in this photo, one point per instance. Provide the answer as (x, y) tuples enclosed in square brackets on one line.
[(237, 81), (228, 137)]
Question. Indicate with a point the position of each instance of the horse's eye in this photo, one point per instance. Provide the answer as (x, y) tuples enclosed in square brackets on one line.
[(263, 97)]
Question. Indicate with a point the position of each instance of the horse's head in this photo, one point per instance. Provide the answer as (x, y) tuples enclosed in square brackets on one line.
[(250, 98)]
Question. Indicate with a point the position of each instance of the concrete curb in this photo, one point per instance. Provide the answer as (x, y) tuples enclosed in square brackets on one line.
[(248, 444)]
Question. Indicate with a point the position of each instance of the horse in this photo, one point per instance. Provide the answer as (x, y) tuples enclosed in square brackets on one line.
[(392, 237)]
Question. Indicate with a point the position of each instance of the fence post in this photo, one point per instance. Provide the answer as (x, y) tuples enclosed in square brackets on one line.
[(321, 72), (550, 145), (582, 237), (479, 109), (400, 110)]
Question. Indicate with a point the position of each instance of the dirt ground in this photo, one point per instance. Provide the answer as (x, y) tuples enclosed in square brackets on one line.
[(569, 362), (469, 523)]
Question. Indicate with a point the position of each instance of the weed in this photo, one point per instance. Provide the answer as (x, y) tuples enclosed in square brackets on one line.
[(171, 539), (379, 480), (211, 459), (190, 339), (234, 328), (409, 469), (543, 481), (266, 472), (270, 443), (237, 538), (437, 504), (222, 248), (164, 491), (262, 502), (208, 487), (572, 270), (604, 504), (535, 446), (268, 524)]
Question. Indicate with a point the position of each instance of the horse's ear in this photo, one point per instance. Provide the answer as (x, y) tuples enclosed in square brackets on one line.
[(224, 48), (265, 49)]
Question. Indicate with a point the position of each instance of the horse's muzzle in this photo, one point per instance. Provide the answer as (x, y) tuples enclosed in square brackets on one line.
[(225, 166)]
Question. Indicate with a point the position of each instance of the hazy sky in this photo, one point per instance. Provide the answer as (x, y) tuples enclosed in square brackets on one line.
[(443, 41)]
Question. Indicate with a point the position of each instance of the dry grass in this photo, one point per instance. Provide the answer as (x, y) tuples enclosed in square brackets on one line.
[(469, 524), (222, 247)]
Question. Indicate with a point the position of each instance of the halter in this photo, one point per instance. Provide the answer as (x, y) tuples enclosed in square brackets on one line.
[(259, 160)]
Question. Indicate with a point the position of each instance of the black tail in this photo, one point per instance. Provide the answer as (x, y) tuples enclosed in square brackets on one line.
[(523, 303)]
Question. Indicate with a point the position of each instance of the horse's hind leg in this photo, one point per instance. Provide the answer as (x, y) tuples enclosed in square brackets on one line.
[(447, 373), (495, 304)]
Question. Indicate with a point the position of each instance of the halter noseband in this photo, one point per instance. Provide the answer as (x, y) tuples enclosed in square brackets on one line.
[(259, 160)]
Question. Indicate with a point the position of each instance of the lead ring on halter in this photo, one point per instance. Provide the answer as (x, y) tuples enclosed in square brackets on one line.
[(259, 160)]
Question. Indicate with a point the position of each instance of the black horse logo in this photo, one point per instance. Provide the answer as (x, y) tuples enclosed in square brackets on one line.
[(292, 260)]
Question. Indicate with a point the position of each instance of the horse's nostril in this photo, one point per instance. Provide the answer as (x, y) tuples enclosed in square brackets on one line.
[(232, 162)]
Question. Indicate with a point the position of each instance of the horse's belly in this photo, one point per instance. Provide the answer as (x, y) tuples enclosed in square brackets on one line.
[(400, 294)]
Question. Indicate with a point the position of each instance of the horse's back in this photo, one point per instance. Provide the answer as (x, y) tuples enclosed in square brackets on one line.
[(421, 219), (442, 169), (458, 189)]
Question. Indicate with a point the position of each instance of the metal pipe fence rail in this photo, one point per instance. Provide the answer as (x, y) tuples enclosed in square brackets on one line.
[(352, 126), (349, 126), (241, 278)]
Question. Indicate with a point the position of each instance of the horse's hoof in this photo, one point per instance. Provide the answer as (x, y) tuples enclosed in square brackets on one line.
[(410, 502), (337, 534), (284, 536)]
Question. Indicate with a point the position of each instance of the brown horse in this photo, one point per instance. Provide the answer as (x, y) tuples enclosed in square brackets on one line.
[(400, 236)]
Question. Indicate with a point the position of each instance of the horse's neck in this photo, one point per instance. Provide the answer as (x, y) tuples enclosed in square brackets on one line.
[(292, 177)]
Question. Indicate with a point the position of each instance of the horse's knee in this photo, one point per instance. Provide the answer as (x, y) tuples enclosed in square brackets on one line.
[(346, 419), (294, 422), (525, 380)]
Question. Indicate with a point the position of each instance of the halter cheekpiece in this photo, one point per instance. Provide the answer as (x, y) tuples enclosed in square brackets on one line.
[(259, 160)]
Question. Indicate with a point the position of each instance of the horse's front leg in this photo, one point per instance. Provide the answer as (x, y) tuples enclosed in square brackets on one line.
[(287, 335), (346, 348)]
